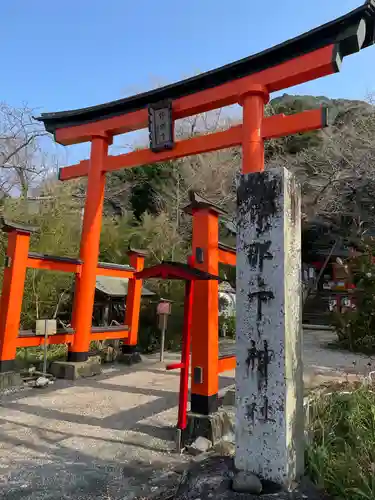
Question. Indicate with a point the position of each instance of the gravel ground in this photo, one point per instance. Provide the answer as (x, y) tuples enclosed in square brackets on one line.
[(108, 437), (112, 436)]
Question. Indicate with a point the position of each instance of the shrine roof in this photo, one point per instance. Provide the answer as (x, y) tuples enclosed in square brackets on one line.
[(196, 202), (175, 270), (348, 34)]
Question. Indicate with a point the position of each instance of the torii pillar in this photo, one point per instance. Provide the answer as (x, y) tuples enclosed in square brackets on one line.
[(205, 319), (89, 250), (269, 383)]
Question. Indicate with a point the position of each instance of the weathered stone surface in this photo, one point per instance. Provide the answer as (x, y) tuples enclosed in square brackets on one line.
[(212, 479), (269, 381), (108, 354), (207, 479), (247, 482), (42, 381), (200, 445), (212, 427), (229, 398), (129, 358), (9, 380), (70, 370), (225, 448)]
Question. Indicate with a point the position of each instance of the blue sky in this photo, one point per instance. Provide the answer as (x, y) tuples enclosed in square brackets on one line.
[(59, 55)]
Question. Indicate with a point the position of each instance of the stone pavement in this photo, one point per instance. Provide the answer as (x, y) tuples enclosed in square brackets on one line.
[(111, 437)]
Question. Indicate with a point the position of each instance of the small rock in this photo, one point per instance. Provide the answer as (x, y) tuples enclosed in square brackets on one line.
[(42, 382), (225, 448), (247, 482), (200, 445)]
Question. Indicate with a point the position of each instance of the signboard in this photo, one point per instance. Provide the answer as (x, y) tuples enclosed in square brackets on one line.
[(164, 308), (45, 327), (160, 126)]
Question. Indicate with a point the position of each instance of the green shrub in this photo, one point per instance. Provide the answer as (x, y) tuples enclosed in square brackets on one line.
[(341, 455), (227, 326)]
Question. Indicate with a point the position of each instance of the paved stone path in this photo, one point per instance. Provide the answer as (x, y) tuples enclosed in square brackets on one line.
[(110, 437)]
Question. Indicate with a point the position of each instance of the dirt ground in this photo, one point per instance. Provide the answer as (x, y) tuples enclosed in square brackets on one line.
[(112, 436)]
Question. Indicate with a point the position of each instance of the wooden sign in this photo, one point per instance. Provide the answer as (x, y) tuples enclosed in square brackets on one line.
[(160, 126), (164, 308)]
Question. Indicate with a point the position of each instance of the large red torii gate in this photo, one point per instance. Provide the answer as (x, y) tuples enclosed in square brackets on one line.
[(247, 82)]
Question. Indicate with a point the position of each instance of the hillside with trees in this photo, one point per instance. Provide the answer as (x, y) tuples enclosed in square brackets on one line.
[(143, 206)]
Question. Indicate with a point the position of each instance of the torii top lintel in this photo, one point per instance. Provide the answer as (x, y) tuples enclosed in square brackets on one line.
[(314, 54)]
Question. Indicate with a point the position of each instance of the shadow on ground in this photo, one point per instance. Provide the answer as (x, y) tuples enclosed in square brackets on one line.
[(109, 437)]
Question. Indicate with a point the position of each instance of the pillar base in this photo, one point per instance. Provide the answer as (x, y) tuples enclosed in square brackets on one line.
[(204, 405), (9, 380), (129, 355), (70, 370), (76, 357), (212, 427)]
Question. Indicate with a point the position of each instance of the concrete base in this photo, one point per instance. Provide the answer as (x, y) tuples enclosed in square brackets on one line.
[(74, 370), (212, 427), (9, 380), (131, 358)]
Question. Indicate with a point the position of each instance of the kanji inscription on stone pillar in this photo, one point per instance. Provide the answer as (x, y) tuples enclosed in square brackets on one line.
[(269, 432)]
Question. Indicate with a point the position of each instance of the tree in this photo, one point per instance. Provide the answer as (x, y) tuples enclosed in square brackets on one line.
[(57, 217), (22, 157), (335, 167)]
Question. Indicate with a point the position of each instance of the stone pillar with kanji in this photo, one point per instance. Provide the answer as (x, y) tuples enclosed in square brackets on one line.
[(269, 384)]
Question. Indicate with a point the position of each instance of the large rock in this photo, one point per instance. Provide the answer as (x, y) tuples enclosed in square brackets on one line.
[(212, 479), (200, 445), (212, 427), (247, 482), (73, 370), (206, 480), (225, 448)]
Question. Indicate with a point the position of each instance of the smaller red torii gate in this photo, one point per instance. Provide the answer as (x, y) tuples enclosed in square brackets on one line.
[(18, 259), (188, 273)]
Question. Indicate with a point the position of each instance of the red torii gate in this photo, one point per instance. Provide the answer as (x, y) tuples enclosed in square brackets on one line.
[(247, 82)]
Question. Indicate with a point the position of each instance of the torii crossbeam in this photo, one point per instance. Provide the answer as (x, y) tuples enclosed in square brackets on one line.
[(248, 82)]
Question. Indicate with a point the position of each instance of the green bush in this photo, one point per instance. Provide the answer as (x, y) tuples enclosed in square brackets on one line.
[(227, 326), (341, 455), (149, 335)]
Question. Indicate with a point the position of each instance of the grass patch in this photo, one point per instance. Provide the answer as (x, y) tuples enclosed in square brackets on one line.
[(341, 455), (27, 356)]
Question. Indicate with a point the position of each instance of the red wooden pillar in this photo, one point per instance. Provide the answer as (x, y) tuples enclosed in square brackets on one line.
[(133, 302), (205, 321), (89, 251), (12, 292), (253, 102)]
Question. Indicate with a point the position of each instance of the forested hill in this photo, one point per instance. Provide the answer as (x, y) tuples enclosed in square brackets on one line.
[(334, 166)]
